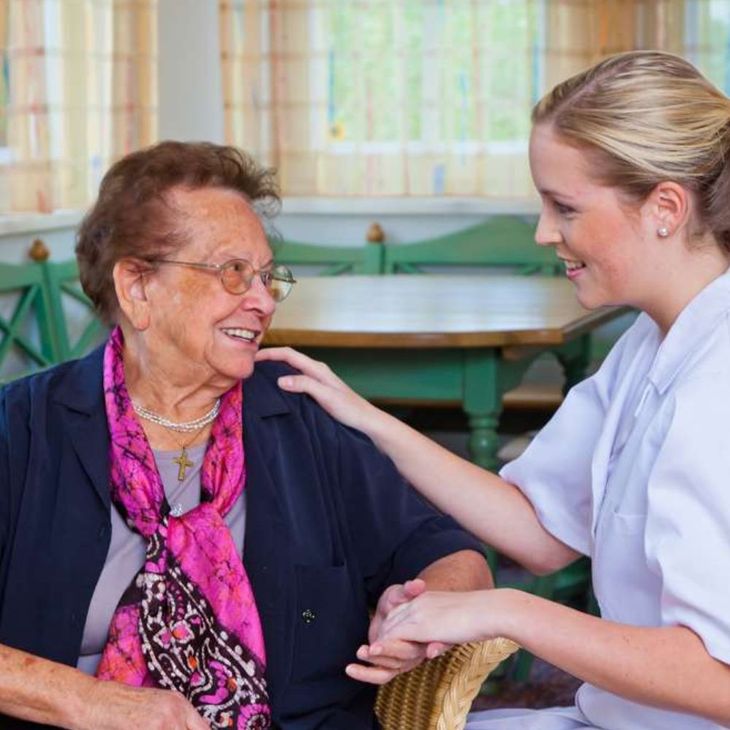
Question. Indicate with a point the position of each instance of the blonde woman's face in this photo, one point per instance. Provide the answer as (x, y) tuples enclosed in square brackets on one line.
[(593, 232)]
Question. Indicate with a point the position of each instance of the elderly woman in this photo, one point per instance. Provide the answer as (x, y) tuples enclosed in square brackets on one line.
[(132, 560)]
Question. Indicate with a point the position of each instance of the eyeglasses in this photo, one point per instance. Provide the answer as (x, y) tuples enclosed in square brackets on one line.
[(237, 276)]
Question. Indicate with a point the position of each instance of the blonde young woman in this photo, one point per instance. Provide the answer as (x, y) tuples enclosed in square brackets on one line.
[(631, 162)]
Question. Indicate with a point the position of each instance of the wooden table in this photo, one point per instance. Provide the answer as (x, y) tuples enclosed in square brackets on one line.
[(438, 338)]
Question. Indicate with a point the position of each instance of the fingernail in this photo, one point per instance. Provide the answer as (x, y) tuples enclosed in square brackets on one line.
[(285, 382)]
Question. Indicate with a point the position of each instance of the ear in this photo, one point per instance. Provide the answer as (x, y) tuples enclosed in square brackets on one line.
[(130, 286), (667, 208)]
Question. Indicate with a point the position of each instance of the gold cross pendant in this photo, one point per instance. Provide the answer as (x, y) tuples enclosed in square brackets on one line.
[(183, 463)]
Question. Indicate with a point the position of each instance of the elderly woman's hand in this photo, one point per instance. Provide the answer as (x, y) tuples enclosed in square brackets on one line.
[(317, 380), (116, 706)]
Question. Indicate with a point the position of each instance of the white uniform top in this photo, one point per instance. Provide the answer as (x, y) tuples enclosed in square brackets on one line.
[(634, 471)]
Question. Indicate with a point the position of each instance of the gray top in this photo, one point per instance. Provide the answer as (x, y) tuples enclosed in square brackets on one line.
[(127, 550)]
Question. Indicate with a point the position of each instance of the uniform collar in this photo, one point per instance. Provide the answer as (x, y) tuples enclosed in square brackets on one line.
[(690, 331)]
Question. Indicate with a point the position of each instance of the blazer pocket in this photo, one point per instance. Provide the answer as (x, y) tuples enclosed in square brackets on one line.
[(329, 625)]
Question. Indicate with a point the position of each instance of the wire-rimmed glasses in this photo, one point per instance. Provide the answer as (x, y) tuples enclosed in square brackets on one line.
[(237, 275)]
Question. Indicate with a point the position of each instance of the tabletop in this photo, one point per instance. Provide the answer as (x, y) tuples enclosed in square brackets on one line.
[(432, 310)]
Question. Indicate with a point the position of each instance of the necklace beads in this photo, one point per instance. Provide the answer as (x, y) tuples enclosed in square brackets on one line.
[(185, 426)]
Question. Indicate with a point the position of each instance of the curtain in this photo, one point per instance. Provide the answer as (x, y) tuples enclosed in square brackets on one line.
[(382, 97), (582, 32), (426, 97), (78, 91)]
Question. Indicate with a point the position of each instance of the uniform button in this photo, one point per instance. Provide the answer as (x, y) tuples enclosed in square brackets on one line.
[(308, 615)]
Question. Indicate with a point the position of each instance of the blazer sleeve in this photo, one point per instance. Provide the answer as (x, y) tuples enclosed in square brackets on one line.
[(394, 533), (4, 473), (14, 446)]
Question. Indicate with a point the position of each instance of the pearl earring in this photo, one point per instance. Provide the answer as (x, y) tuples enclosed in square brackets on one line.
[(662, 231)]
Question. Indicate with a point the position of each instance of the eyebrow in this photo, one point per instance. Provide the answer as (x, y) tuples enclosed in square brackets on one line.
[(230, 256), (554, 194)]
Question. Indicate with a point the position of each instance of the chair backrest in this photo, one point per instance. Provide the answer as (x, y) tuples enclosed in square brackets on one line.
[(501, 242), (27, 341), (329, 260), (76, 326)]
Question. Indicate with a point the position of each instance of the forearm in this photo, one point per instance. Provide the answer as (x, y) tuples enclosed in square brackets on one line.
[(654, 666), (483, 503), (463, 571), (39, 690)]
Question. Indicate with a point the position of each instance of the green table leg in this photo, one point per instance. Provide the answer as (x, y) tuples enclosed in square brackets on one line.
[(483, 439), (482, 405)]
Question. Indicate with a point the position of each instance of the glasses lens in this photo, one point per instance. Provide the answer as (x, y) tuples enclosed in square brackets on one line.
[(236, 276), (279, 282)]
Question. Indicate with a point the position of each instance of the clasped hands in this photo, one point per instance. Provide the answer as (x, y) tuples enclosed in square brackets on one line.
[(385, 657)]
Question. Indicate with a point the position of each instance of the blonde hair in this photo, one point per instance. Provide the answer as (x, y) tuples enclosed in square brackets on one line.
[(646, 117)]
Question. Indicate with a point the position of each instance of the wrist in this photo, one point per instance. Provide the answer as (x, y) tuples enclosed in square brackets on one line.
[(507, 609), (78, 703), (381, 427)]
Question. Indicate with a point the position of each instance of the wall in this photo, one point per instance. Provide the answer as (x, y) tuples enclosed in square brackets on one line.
[(57, 231), (189, 77)]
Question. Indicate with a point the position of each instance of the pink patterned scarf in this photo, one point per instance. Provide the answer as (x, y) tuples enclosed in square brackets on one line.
[(188, 620)]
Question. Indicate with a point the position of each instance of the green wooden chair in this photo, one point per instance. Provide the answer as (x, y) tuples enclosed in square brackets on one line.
[(27, 341), (328, 260), (503, 242), (76, 326)]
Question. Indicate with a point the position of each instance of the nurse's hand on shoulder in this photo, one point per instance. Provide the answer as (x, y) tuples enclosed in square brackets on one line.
[(116, 706), (317, 380)]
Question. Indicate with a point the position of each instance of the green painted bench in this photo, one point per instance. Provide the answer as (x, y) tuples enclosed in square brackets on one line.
[(45, 318), (503, 242), (27, 340), (330, 260)]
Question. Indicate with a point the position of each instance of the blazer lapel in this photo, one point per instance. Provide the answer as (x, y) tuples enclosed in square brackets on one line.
[(265, 545), (81, 393)]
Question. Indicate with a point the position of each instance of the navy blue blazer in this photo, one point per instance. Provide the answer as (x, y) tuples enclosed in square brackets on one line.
[(329, 525)]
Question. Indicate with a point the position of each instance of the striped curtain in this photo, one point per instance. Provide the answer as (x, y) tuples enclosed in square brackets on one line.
[(78, 90), (426, 97)]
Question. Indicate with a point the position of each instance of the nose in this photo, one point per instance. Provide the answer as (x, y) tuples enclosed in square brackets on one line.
[(259, 298), (547, 232)]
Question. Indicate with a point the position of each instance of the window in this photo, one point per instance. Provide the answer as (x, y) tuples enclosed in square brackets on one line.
[(707, 39), (78, 90), (427, 97), (431, 75)]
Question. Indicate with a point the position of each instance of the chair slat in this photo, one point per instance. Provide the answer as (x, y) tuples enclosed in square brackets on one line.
[(500, 242), (334, 259)]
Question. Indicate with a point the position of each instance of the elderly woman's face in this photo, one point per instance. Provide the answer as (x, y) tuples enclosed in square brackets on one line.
[(212, 334)]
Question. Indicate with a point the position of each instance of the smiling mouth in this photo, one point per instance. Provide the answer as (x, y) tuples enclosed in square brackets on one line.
[(241, 334), (571, 265)]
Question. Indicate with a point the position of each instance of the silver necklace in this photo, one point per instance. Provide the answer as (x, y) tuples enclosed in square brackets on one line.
[(185, 426)]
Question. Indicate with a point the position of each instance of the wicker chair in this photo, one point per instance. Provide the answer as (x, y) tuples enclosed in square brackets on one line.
[(438, 694)]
